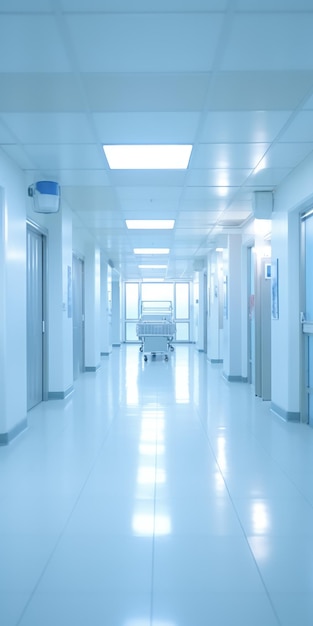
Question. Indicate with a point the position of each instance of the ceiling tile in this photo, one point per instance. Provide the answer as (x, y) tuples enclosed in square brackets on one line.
[(68, 156), (146, 127), (37, 37), (123, 6), (287, 154), (268, 177), (300, 129), (269, 42), (88, 178), (40, 93), (274, 5), (18, 155), (119, 92), (189, 219), (143, 42), (148, 192), (259, 90), (225, 155), (146, 178), (84, 199), (48, 128), (17, 6), (243, 126), (6, 136), (217, 178)]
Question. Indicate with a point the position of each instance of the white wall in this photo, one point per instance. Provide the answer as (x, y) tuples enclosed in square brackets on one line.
[(106, 307), (215, 332), (293, 196), (58, 227), (92, 307), (13, 391), (286, 331), (116, 309)]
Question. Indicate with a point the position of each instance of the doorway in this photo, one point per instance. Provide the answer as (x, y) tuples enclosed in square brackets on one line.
[(36, 316), (78, 317), (307, 316)]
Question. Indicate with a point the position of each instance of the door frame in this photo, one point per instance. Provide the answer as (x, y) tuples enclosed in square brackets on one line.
[(306, 329), (81, 260), (43, 232)]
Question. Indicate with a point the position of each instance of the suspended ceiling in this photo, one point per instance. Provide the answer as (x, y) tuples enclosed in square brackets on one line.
[(233, 78)]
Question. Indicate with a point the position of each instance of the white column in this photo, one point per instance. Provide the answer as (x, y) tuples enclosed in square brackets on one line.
[(215, 305), (92, 308), (232, 309), (116, 310), (106, 307), (60, 320), (13, 391), (286, 330)]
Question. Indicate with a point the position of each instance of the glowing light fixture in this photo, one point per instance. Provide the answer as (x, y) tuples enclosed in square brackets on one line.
[(148, 157), (152, 267), (150, 224), (151, 250)]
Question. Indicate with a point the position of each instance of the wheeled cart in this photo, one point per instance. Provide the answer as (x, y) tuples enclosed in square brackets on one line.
[(156, 330)]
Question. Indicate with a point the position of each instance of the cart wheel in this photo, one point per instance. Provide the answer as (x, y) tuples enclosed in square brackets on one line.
[(141, 349), (166, 357), (145, 358), (172, 348)]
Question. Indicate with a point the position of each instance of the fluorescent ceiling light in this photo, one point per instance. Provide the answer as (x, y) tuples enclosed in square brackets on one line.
[(152, 267), (148, 157), (150, 224), (151, 250)]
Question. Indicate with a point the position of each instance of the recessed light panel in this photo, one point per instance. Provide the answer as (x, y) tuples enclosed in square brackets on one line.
[(152, 267), (150, 224), (151, 250), (148, 157)]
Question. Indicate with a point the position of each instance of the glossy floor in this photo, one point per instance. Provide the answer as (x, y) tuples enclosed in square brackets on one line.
[(157, 494)]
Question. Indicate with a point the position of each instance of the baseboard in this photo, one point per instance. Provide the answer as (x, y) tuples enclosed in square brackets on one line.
[(287, 416), (60, 395), (216, 360), (92, 368), (235, 379), (6, 438)]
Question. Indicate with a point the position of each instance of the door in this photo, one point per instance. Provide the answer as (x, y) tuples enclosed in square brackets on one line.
[(78, 317), (307, 316), (35, 316), (262, 328), (251, 317)]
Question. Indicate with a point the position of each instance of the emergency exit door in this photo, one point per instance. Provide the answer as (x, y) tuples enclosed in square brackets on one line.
[(35, 317)]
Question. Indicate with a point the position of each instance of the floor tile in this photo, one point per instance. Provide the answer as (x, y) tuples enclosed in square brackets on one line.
[(207, 564), (157, 494), (92, 608), (222, 608)]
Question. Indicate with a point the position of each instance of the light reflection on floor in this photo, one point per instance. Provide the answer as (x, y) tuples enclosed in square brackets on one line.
[(158, 494)]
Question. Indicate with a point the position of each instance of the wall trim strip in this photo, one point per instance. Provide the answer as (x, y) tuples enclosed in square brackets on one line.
[(92, 368), (60, 395), (6, 438), (288, 416)]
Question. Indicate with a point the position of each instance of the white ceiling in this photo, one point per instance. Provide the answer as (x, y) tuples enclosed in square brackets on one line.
[(232, 77)]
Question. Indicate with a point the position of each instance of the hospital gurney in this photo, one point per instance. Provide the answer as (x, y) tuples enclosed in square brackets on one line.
[(156, 329)]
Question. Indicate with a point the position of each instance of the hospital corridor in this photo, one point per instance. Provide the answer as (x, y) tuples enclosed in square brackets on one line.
[(157, 494)]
